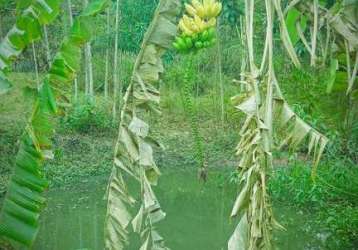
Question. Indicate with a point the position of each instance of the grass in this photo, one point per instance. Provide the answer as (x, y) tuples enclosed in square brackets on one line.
[(331, 199)]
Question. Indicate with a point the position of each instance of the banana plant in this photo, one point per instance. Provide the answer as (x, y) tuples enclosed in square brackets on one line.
[(32, 15), (338, 23), (262, 102), (24, 201), (133, 154)]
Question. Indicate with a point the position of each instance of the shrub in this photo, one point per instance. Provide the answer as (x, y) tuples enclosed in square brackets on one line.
[(86, 115)]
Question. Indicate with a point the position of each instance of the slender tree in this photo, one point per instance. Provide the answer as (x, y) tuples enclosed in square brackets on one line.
[(47, 46), (89, 69), (75, 81), (221, 84), (34, 55), (106, 76), (88, 65), (115, 64)]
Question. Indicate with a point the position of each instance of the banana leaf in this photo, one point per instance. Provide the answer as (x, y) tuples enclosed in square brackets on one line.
[(24, 201), (133, 150)]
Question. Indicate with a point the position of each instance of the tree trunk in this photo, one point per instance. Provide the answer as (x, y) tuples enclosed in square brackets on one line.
[(85, 58), (221, 84), (36, 66), (107, 56), (115, 66), (69, 5), (314, 33), (89, 68)]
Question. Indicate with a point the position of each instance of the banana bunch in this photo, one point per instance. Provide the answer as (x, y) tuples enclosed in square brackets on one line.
[(197, 41), (198, 25)]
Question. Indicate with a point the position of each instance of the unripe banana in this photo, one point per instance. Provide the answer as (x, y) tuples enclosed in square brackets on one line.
[(199, 23), (184, 28), (195, 3), (195, 37), (190, 9), (198, 26), (207, 7), (198, 45), (176, 46), (186, 20), (205, 35), (200, 11), (217, 9), (211, 23), (190, 24), (207, 3), (188, 43), (212, 41), (211, 32), (181, 43)]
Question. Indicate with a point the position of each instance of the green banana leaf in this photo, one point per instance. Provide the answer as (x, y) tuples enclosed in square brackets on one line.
[(31, 16), (24, 201), (293, 16)]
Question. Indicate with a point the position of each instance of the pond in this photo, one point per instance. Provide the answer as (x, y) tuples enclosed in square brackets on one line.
[(197, 215)]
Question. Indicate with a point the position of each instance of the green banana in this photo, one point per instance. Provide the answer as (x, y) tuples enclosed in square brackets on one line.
[(198, 45), (211, 33), (182, 45), (205, 36), (188, 42)]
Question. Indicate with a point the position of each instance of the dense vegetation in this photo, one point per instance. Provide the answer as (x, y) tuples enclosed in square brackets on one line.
[(318, 213)]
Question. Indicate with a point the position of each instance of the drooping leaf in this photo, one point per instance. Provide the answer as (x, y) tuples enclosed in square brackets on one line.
[(24, 201), (266, 112), (294, 16), (32, 15), (133, 151)]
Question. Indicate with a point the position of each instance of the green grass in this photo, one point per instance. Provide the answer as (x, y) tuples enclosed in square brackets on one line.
[(331, 199)]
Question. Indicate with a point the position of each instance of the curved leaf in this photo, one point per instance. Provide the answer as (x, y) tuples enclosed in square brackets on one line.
[(294, 16), (24, 200), (32, 15), (133, 151)]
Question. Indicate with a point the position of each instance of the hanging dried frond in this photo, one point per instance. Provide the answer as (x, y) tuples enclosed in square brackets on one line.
[(252, 204), (133, 151), (24, 201), (261, 102), (297, 130)]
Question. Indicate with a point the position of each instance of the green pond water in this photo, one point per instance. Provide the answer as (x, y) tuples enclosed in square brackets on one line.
[(197, 215)]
